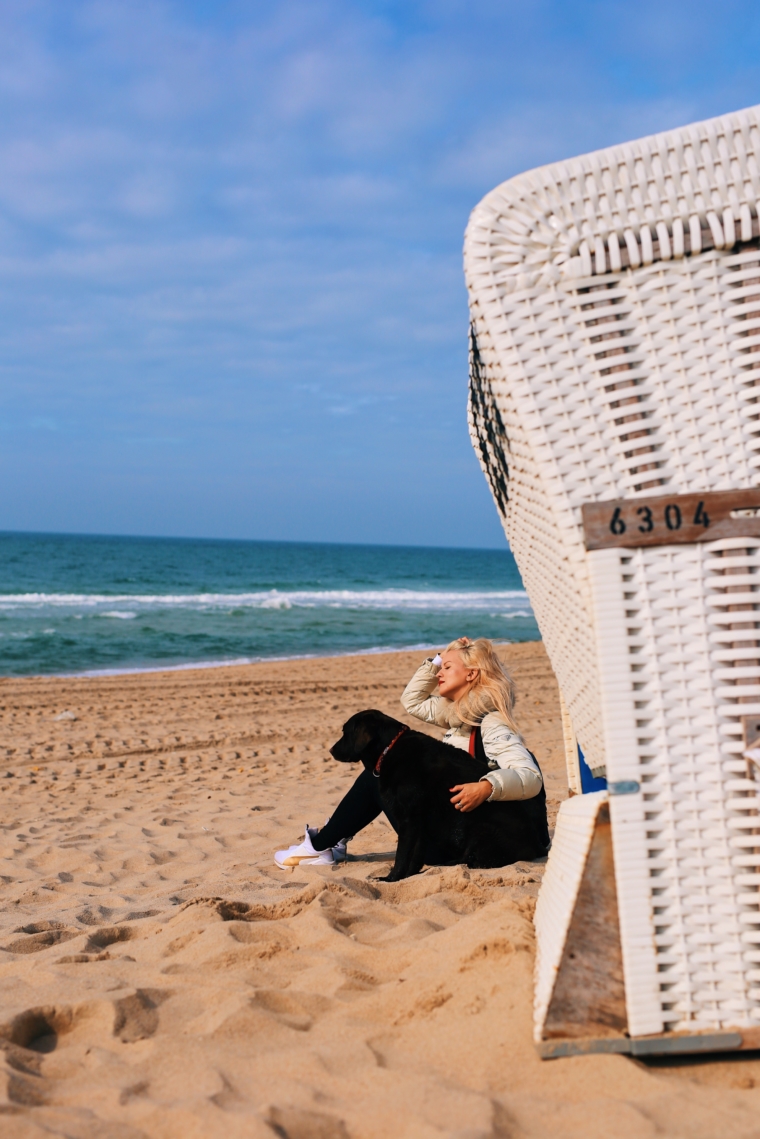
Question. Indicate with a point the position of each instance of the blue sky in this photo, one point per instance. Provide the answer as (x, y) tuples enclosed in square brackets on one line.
[(231, 290)]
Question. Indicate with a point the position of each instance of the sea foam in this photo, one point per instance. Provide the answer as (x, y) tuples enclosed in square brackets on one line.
[(484, 601)]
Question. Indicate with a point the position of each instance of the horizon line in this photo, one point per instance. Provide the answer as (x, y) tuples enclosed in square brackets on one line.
[(249, 541)]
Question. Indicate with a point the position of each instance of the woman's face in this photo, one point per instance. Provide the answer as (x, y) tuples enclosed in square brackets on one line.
[(454, 678)]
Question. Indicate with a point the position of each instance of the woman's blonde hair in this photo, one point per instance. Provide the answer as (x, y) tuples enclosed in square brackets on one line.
[(493, 690)]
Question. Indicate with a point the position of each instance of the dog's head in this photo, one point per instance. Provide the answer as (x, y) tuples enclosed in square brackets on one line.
[(364, 737)]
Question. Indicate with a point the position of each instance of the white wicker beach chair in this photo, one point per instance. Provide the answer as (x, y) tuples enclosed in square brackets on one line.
[(615, 409)]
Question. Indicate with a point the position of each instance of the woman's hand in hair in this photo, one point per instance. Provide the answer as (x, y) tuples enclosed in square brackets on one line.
[(468, 796)]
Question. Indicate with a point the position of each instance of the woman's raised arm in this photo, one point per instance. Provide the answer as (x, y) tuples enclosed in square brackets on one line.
[(420, 697)]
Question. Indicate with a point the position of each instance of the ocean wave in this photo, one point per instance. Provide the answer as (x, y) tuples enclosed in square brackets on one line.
[(127, 605)]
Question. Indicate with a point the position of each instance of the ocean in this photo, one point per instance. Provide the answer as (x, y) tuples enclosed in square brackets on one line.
[(79, 604)]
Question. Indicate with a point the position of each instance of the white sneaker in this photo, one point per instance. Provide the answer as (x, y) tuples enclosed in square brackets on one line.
[(303, 853)]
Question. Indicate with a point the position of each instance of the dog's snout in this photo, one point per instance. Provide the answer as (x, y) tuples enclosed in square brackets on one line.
[(340, 751)]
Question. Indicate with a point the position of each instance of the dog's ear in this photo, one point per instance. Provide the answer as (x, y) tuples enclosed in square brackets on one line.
[(361, 739)]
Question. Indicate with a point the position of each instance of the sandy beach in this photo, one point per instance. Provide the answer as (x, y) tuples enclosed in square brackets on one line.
[(160, 977)]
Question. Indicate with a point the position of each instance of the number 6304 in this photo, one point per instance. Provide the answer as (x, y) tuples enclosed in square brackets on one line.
[(646, 521)]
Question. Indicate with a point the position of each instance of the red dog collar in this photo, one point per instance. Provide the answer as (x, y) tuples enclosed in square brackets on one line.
[(379, 763)]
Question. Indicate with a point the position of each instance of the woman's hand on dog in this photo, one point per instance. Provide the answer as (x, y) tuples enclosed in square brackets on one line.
[(468, 796)]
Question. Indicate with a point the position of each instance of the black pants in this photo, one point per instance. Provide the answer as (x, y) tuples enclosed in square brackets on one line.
[(356, 810)]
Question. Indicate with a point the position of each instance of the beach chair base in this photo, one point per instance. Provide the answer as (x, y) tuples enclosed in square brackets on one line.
[(580, 957), (668, 1044)]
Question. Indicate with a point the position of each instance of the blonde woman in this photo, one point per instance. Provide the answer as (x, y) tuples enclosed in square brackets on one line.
[(467, 690)]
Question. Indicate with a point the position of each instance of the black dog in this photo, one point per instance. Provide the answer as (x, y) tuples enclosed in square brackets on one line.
[(415, 774)]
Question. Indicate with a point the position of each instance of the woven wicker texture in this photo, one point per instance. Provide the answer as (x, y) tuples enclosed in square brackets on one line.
[(615, 353)]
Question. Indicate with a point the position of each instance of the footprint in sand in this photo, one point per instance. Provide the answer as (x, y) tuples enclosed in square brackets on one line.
[(36, 942)]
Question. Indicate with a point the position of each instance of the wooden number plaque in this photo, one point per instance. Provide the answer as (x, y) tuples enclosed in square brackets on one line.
[(664, 520)]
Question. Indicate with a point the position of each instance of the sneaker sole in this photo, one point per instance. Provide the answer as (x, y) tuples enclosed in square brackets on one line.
[(296, 860)]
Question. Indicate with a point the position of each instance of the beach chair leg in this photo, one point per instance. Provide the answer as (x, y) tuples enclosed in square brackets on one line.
[(588, 998)]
